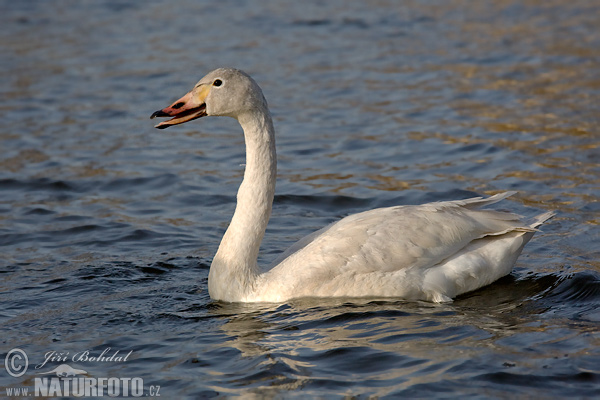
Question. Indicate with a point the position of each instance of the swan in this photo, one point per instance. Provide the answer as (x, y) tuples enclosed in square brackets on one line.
[(431, 252)]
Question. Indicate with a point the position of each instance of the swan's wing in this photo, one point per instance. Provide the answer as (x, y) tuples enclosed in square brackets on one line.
[(479, 263), (396, 238), (474, 202), (299, 245)]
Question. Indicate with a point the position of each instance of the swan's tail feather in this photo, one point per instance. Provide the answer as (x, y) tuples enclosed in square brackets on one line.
[(470, 204), (540, 219), (518, 224), (477, 202)]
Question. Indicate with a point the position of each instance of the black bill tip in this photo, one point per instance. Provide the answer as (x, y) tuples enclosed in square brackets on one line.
[(159, 113)]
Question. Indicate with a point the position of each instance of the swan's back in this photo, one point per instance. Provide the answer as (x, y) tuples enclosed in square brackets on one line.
[(429, 252)]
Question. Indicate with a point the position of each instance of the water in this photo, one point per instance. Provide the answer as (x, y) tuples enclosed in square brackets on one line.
[(108, 226)]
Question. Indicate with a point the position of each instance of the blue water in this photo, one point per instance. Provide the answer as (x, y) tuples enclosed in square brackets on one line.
[(108, 226)]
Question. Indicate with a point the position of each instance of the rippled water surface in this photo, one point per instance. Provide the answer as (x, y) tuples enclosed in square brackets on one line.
[(108, 226)]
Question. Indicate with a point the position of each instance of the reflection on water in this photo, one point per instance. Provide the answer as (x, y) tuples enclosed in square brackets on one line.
[(107, 226), (401, 345)]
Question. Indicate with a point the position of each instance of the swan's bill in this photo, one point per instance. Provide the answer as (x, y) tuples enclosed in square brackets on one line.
[(188, 108)]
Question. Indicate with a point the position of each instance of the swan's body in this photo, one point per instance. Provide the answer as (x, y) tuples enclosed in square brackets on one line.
[(431, 252)]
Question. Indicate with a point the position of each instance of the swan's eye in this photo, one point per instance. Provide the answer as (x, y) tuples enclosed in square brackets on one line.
[(217, 82)]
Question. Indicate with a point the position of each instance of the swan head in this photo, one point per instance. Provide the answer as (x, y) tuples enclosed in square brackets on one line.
[(223, 92)]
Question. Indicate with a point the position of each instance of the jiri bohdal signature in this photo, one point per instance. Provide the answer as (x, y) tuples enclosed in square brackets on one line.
[(85, 356)]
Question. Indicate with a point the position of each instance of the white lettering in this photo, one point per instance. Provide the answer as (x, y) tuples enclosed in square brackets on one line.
[(90, 383), (81, 356), (89, 387), (86, 356), (101, 356), (137, 387), (54, 390), (113, 387), (125, 383), (77, 388), (41, 387), (101, 385), (53, 356)]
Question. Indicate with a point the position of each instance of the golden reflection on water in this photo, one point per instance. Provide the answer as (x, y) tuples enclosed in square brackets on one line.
[(544, 118)]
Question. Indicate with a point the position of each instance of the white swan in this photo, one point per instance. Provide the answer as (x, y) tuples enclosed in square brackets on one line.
[(430, 252)]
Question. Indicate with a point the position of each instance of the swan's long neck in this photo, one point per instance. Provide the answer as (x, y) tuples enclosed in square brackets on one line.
[(234, 268)]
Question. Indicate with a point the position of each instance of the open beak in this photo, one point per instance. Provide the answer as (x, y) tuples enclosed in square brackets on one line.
[(189, 107)]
